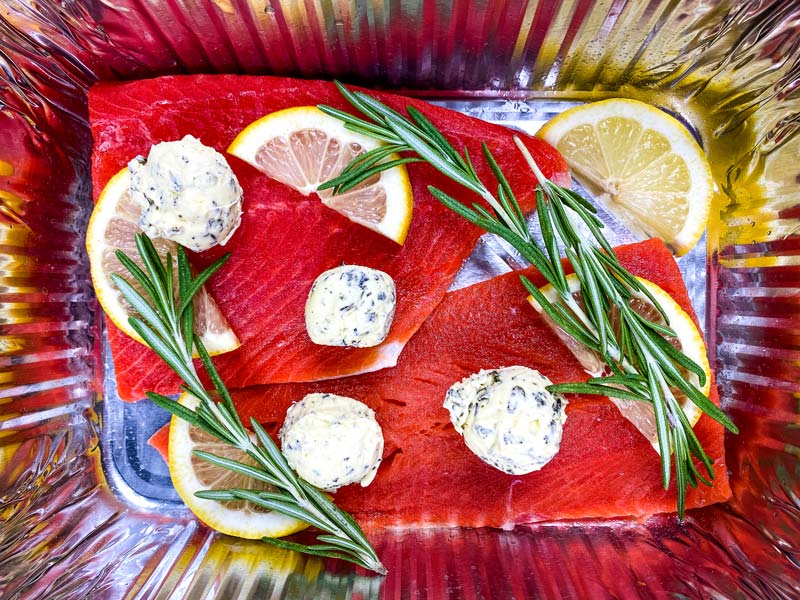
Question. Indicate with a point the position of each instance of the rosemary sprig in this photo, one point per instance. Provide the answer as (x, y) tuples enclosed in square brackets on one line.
[(165, 322), (641, 364)]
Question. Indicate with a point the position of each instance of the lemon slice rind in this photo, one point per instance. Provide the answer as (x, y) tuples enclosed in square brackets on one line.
[(642, 162), (306, 174), (238, 521), (218, 341)]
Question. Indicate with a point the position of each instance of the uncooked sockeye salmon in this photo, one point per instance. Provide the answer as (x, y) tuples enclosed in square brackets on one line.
[(605, 467), (286, 239)]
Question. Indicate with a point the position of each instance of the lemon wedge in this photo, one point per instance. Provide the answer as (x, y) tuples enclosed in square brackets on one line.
[(642, 163), (191, 474), (112, 227), (303, 147), (688, 340)]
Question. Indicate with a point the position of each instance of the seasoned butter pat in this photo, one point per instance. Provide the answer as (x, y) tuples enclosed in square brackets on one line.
[(508, 418), (350, 306), (332, 441), (188, 194)]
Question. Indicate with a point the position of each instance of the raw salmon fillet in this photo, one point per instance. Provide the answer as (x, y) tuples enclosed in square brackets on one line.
[(286, 239), (605, 467)]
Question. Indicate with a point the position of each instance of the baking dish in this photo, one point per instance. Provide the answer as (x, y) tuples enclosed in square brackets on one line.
[(86, 508)]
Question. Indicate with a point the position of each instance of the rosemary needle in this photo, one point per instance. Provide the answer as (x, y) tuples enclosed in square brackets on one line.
[(640, 363), (165, 322)]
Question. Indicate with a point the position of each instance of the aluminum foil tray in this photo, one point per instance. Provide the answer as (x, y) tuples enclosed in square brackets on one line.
[(86, 507)]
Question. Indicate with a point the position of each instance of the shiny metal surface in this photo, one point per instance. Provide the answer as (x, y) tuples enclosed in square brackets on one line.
[(73, 526)]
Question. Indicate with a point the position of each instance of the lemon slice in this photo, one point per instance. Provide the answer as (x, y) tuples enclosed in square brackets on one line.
[(688, 340), (112, 227), (191, 474), (303, 147), (642, 163)]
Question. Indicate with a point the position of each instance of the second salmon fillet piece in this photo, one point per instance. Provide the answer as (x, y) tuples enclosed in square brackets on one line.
[(605, 468)]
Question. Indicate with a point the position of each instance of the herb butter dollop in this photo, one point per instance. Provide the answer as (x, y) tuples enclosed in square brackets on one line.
[(332, 441), (508, 418), (188, 194), (350, 305)]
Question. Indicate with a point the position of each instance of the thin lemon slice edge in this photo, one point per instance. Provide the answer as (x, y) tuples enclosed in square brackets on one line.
[(642, 163), (303, 147), (191, 474), (691, 342), (116, 216)]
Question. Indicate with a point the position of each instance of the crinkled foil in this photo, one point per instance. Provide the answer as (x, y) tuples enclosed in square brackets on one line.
[(86, 507)]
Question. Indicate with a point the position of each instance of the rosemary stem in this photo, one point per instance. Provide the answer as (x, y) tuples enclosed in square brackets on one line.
[(295, 491), (490, 199), (577, 309), (540, 178)]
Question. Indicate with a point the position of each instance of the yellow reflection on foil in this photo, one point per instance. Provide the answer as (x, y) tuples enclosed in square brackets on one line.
[(760, 191), (11, 206), (16, 312), (760, 262), (524, 32), (6, 168), (10, 344), (13, 234), (7, 453), (225, 6), (551, 55), (14, 265), (253, 566), (14, 230)]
